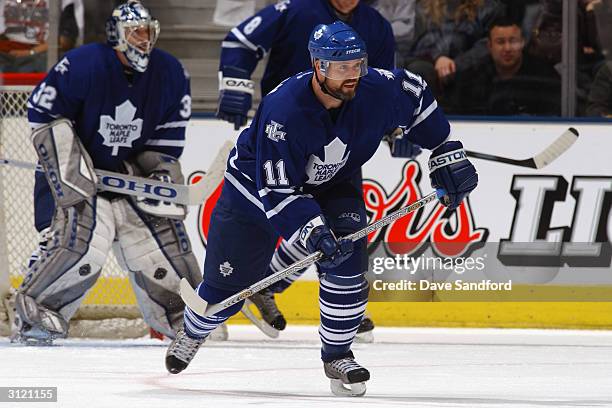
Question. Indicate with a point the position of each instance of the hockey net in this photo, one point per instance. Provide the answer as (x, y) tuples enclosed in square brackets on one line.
[(109, 308)]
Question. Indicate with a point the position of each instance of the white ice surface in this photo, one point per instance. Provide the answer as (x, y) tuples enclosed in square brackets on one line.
[(409, 367)]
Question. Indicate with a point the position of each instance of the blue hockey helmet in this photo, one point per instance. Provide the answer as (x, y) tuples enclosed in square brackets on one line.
[(131, 30), (338, 42)]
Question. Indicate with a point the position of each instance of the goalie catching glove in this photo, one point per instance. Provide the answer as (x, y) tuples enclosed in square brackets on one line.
[(316, 236), (450, 170)]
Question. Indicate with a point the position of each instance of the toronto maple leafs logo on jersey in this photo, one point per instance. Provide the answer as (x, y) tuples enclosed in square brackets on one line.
[(273, 130), (123, 129), (335, 157)]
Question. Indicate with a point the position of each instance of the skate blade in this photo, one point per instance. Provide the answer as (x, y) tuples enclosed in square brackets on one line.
[(219, 334), (339, 389), (365, 337), (261, 324)]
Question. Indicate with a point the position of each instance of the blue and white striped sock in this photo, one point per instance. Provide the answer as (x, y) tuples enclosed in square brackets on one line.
[(285, 255), (342, 302), (197, 326)]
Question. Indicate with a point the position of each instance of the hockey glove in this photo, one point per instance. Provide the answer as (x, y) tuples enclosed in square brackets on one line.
[(450, 169), (404, 148), (316, 236), (235, 95)]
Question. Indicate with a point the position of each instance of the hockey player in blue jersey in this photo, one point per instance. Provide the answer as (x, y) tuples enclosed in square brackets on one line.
[(121, 106), (295, 172), (282, 31)]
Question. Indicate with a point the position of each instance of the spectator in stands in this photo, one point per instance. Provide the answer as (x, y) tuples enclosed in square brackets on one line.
[(450, 37), (510, 82), (602, 15), (401, 14), (96, 12), (24, 26), (600, 97)]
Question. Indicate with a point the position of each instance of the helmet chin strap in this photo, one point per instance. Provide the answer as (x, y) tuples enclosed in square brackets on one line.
[(326, 90)]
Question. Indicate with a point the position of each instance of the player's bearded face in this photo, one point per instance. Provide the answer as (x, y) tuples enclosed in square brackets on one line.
[(342, 77)]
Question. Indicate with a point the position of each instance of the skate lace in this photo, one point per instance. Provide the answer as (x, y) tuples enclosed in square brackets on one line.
[(184, 347), (344, 365)]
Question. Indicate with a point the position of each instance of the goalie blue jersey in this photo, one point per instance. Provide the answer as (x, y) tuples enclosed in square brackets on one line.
[(282, 30), (294, 147), (115, 118)]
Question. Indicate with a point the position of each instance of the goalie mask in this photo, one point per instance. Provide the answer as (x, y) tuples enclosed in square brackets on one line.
[(131, 30), (341, 52)]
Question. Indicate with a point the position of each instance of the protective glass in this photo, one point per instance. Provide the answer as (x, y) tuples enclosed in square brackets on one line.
[(343, 70)]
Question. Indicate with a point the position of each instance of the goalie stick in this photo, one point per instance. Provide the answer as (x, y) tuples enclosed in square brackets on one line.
[(191, 194), (201, 307), (539, 161)]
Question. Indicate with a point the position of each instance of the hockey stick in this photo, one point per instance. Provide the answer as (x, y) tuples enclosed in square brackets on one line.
[(541, 160), (192, 194), (201, 307)]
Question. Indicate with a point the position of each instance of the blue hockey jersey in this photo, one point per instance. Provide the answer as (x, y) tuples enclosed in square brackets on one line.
[(294, 148), (114, 118), (283, 29)]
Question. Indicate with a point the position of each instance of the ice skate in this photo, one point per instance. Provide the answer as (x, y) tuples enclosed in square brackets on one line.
[(365, 332), (181, 351), (273, 320), (219, 334), (347, 377)]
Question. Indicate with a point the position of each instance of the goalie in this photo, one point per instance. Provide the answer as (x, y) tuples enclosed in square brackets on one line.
[(121, 106)]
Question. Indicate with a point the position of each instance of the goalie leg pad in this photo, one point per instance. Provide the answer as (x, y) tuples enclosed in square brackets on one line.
[(157, 253), (68, 264), (68, 167)]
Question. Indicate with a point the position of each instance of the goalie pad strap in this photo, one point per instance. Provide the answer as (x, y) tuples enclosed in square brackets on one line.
[(68, 167)]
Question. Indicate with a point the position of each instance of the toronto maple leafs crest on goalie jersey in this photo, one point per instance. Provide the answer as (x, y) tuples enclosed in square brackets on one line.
[(114, 118), (294, 149)]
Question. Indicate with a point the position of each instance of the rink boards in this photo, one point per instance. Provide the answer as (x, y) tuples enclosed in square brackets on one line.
[(562, 211), (547, 230)]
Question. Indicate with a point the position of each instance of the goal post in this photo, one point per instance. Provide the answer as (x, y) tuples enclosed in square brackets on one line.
[(109, 308)]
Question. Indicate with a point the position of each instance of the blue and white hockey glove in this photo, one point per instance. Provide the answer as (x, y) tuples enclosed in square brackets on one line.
[(450, 170), (235, 95), (316, 236), (404, 148)]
